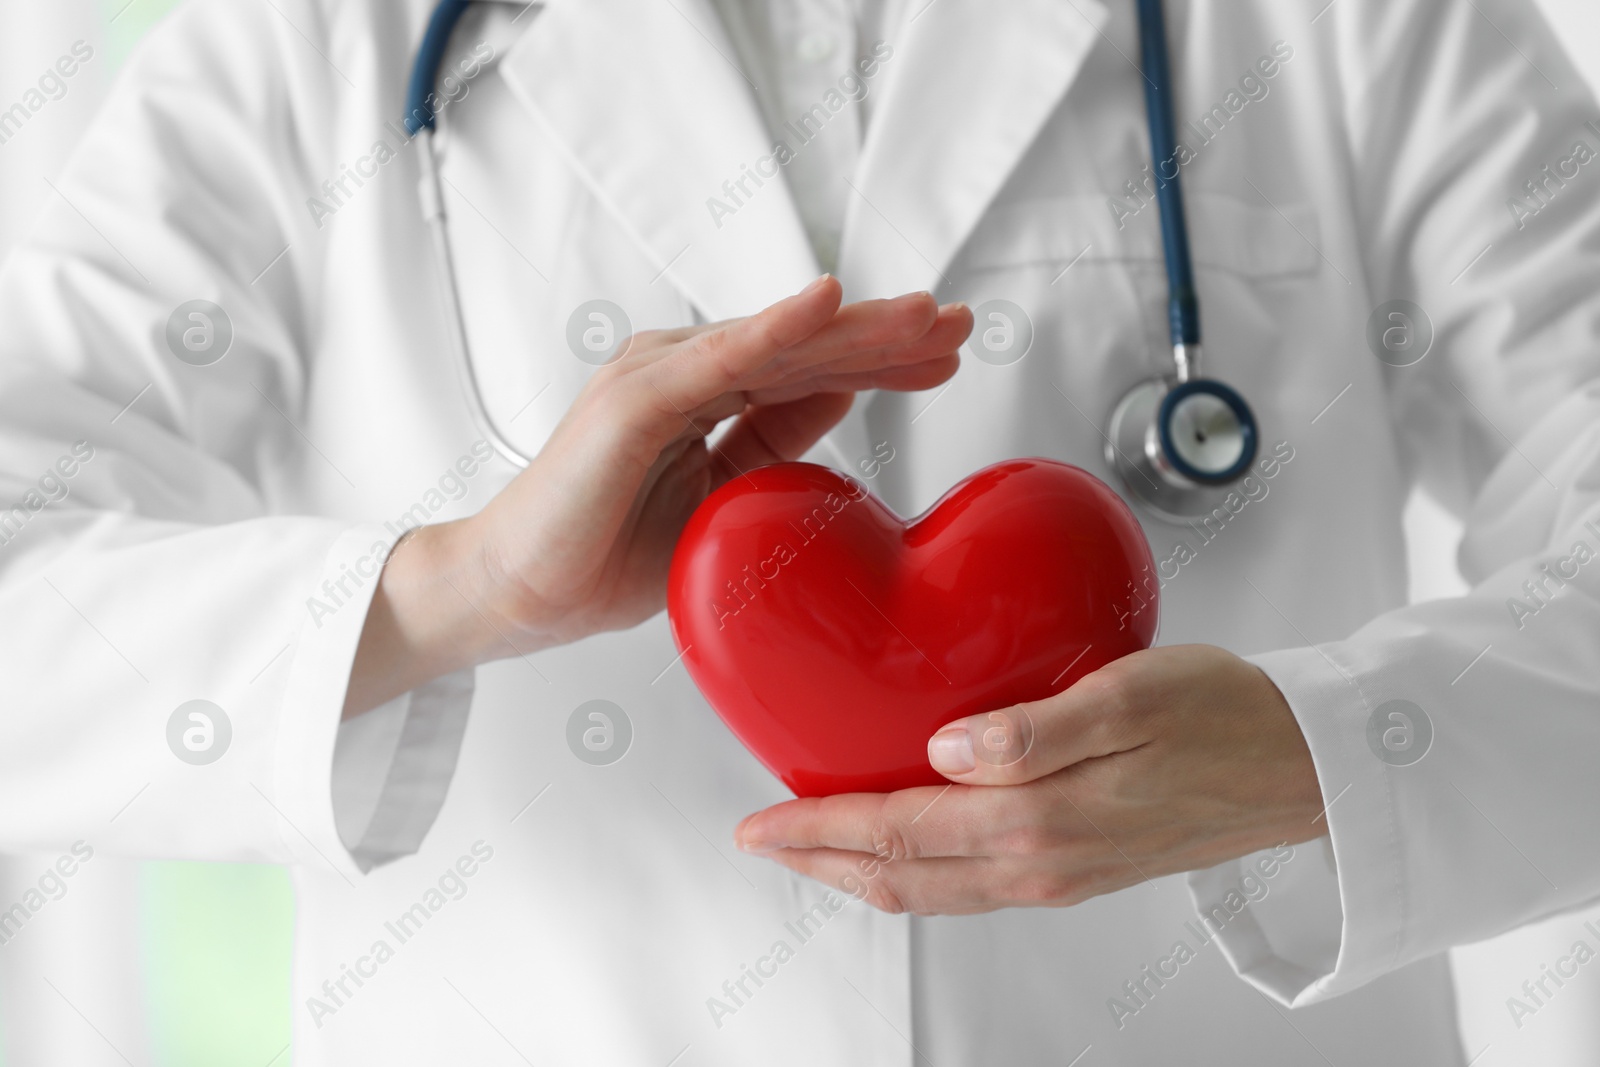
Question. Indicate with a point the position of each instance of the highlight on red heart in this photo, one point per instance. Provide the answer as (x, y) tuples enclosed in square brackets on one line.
[(834, 638)]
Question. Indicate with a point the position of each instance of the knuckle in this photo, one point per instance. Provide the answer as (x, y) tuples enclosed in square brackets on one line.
[(1094, 788), (1004, 742), (634, 351), (646, 339), (1031, 840), (1109, 689), (1093, 805), (890, 841), (715, 349), (1116, 786), (1045, 887), (1042, 801), (713, 344), (1120, 711), (886, 899)]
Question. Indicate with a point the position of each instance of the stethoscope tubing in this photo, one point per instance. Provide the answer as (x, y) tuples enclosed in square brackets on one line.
[(432, 198), (1183, 302)]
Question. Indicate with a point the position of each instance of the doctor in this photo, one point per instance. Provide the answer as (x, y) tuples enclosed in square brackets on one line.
[(227, 394)]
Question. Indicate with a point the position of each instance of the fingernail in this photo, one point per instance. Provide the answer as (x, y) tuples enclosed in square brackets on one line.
[(959, 305), (814, 286), (747, 842), (758, 846), (950, 751)]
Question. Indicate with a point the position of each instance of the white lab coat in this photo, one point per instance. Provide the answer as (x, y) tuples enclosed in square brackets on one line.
[(606, 908)]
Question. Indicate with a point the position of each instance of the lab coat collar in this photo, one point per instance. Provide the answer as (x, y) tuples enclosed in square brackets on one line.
[(969, 88), (649, 105)]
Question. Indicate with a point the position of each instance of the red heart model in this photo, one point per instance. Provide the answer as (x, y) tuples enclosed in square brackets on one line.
[(834, 638)]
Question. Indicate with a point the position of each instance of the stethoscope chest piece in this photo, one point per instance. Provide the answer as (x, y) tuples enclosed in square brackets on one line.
[(1177, 447)]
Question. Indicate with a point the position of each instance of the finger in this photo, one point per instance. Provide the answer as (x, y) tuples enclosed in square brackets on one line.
[(865, 326), (910, 824), (669, 335), (924, 375), (719, 360), (922, 363), (941, 886), (951, 327), (1028, 741), (950, 330), (943, 338), (773, 433), (787, 338)]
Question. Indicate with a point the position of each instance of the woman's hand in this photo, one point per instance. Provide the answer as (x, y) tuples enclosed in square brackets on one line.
[(1172, 759), (581, 541)]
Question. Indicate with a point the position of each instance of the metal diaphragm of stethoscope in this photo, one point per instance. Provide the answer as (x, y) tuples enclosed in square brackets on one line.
[(1176, 441)]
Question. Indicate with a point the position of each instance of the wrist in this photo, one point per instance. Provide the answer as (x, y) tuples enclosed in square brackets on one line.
[(1298, 792), (427, 617)]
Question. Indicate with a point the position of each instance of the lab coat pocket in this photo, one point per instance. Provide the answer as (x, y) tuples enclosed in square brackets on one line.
[(1227, 234), (1099, 279), (1071, 308)]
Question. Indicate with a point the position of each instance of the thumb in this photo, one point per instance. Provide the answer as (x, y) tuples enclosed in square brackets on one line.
[(1022, 742)]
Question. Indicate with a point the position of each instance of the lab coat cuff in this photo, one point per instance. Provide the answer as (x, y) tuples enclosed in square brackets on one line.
[(1334, 920), (323, 650), (392, 767)]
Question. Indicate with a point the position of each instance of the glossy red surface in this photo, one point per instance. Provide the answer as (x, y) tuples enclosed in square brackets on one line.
[(834, 638)]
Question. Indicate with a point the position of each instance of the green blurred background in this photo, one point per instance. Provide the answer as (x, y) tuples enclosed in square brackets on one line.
[(216, 939), (127, 20)]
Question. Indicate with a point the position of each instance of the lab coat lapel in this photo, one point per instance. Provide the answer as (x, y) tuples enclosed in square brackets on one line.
[(649, 105), (970, 86)]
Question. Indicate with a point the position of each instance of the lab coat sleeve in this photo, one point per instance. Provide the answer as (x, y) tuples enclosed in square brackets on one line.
[(1456, 741), (141, 568), (392, 766)]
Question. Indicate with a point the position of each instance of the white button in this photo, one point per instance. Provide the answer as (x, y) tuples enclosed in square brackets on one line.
[(814, 47)]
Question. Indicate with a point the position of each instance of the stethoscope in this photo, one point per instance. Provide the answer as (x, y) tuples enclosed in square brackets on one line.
[(1176, 441)]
